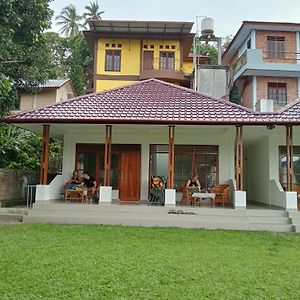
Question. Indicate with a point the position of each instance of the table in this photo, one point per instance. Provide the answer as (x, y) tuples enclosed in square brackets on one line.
[(202, 196)]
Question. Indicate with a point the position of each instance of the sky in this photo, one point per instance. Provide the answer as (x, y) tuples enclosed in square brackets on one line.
[(228, 15)]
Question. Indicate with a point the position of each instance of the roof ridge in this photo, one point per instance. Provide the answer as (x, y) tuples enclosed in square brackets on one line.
[(289, 105)]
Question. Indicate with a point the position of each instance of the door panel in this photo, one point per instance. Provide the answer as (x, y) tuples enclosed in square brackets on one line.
[(148, 60), (130, 176)]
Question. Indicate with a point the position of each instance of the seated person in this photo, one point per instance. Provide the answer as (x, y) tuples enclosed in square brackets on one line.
[(193, 182), (157, 190), (89, 182), (73, 182), (157, 183)]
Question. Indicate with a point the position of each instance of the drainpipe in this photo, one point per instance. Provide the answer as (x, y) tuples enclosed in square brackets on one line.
[(254, 93), (195, 64), (298, 57)]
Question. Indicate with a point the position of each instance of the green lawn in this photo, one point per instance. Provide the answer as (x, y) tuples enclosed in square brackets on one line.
[(112, 262)]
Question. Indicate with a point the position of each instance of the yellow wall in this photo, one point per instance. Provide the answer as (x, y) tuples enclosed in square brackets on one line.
[(130, 56), (157, 49), (103, 85), (187, 67)]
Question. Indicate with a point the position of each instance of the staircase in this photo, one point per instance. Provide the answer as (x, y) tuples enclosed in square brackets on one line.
[(12, 215), (152, 216), (294, 218)]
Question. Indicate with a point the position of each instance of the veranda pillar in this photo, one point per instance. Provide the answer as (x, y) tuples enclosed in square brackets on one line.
[(107, 155), (239, 158), (289, 157), (45, 155)]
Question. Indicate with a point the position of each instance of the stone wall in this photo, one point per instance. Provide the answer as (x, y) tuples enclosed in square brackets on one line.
[(12, 186)]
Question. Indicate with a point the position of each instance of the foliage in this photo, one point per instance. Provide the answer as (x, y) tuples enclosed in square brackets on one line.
[(70, 21), (210, 51), (22, 42), (22, 55), (234, 95), (59, 50), (93, 11), (226, 41), (21, 149), (113, 262)]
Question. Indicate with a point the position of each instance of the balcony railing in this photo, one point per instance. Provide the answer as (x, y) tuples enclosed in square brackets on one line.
[(164, 64), (242, 60), (264, 60), (281, 57)]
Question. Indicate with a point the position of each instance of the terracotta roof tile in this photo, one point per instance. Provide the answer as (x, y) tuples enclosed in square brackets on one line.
[(151, 101)]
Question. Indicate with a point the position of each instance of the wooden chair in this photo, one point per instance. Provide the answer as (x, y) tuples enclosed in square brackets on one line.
[(222, 194), (187, 197), (74, 195)]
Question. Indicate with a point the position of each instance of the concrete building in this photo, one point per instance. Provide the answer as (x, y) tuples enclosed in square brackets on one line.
[(264, 64)]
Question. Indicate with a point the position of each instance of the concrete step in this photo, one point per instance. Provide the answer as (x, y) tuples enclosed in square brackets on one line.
[(174, 221), (13, 210), (141, 215), (296, 228), (11, 218)]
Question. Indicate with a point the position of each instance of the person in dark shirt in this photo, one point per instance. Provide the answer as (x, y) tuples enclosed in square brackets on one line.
[(89, 182), (193, 182)]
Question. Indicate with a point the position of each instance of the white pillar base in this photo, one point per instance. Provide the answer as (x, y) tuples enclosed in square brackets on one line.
[(239, 200), (170, 197), (105, 194)]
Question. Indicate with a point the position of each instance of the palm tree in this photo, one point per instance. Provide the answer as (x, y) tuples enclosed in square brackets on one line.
[(70, 21), (93, 11)]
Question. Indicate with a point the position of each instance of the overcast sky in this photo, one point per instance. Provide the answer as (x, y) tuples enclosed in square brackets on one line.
[(227, 14)]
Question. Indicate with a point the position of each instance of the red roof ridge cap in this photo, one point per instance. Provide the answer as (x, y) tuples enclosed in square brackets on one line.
[(288, 106)]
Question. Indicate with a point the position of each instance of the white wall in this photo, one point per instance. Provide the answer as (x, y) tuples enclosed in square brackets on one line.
[(258, 166), (188, 135)]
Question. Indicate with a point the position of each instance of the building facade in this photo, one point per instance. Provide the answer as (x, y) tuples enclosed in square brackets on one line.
[(129, 51), (264, 64), (52, 91)]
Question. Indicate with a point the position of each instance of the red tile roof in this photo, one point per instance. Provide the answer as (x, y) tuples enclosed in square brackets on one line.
[(149, 101)]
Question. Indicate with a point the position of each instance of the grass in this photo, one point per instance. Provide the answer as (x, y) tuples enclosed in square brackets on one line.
[(112, 262)]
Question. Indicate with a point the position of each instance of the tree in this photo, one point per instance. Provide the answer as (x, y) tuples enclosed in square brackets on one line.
[(210, 51), (226, 41), (70, 21), (93, 11), (59, 51), (22, 59), (234, 95), (76, 70)]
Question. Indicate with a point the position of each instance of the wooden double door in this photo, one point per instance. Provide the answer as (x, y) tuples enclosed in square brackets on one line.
[(125, 167)]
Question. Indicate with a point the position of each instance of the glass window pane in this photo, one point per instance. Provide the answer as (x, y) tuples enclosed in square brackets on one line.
[(114, 171), (87, 162)]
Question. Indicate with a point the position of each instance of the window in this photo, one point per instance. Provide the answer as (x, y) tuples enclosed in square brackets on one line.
[(161, 47), (113, 60), (151, 46), (276, 46), (145, 46), (107, 45), (167, 47), (113, 45), (283, 166), (167, 61), (173, 47), (277, 91), (202, 160), (119, 45)]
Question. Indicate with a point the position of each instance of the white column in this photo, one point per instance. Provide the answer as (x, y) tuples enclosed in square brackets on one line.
[(105, 194), (254, 92), (253, 39), (298, 87), (144, 171), (170, 197)]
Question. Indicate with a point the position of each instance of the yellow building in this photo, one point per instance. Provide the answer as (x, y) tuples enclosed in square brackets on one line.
[(129, 51)]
